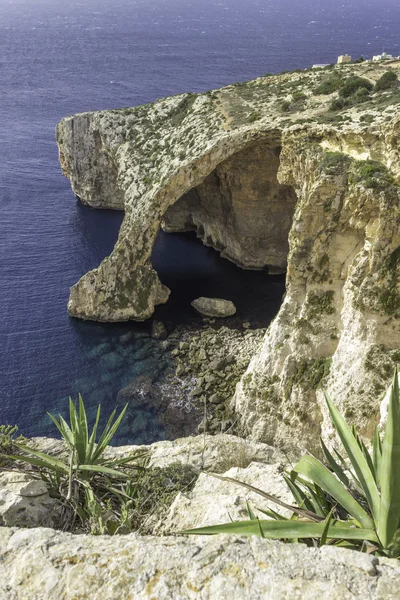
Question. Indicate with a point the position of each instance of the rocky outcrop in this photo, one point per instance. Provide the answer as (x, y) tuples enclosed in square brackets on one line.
[(42, 563), (216, 453), (212, 501), (268, 176), (339, 323), (214, 307)]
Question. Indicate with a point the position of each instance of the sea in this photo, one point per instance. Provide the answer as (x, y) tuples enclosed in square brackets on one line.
[(60, 57)]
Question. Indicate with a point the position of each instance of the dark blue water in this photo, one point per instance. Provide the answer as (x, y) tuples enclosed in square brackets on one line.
[(58, 58)]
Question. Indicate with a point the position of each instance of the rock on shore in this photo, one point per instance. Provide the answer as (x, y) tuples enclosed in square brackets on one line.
[(214, 307)]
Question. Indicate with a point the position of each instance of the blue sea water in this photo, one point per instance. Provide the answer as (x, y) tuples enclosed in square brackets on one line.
[(62, 57)]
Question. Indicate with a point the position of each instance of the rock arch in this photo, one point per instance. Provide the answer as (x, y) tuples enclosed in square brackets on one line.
[(229, 194)]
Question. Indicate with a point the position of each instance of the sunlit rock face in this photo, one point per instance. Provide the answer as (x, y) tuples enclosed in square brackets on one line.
[(285, 190), (241, 210)]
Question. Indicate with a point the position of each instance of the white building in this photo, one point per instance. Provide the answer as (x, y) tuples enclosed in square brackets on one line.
[(383, 56)]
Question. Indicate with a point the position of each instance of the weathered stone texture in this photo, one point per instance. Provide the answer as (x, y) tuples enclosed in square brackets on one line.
[(41, 563), (237, 208)]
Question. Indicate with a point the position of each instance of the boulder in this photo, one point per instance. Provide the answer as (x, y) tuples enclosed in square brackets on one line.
[(25, 501), (217, 453), (213, 501), (214, 307)]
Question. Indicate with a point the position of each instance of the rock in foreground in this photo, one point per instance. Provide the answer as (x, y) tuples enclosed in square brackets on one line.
[(42, 563), (214, 307), (25, 501)]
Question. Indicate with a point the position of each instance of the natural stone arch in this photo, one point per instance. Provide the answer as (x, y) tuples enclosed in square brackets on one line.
[(125, 286)]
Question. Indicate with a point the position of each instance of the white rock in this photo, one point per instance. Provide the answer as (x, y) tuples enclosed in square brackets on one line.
[(213, 501), (24, 501), (214, 307)]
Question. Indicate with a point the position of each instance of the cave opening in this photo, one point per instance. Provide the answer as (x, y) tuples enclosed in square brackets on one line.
[(228, 238)]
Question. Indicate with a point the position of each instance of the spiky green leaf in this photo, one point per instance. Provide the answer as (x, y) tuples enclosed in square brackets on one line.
[(286, 529), (357, 459), (319, 474), (389, 515)]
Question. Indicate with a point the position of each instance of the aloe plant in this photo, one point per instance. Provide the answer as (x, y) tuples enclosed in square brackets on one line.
[(87, 482), (353, 502), (86, 456)]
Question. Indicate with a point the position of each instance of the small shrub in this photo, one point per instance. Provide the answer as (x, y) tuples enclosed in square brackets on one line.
[(337, 104), (88, 485), (8, 442), (298, 97), (361, 95), (352, 84), (371, 174), (367, 118), (329, 85), (320, 304), (309, 375), (255, 116), (387, 81), (334, 163), (157, 488), (285, 106)]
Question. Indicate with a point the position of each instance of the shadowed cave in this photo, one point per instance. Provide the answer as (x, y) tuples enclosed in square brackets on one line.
[(241, 210)]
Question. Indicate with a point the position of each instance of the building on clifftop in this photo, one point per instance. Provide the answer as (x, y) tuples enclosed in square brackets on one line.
[(343, 59), (383, 56)]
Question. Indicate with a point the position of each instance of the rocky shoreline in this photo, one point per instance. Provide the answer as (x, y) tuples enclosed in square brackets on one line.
[(283, 174), (205, 361)]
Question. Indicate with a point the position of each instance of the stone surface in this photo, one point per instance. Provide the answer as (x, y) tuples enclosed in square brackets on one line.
[(25, 502), (217, 453), (261, 186), (334, 326), (236, 208), (213, 501), (209, 366), (214, 307), (42, 563)]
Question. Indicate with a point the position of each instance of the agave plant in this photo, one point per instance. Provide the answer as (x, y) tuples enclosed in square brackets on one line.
[(352, 502), (88, 483)]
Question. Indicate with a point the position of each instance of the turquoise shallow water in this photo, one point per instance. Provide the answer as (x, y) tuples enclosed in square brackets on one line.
[(58, 58)]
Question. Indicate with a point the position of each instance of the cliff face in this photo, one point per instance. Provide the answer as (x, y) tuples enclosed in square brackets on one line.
[(339, 320), (283, 190)]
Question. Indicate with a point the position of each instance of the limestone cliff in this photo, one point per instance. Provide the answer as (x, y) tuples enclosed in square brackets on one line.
[(273, 176)]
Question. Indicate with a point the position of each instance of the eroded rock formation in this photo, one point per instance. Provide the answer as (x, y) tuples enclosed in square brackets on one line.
[(241, 209), (267, 188)]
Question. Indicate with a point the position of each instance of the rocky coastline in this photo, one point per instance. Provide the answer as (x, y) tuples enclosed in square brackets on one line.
[(280, 173), (284, 174)]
